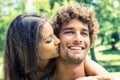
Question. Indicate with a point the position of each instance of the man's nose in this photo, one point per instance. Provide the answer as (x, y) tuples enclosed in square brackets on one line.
[(77, 38)]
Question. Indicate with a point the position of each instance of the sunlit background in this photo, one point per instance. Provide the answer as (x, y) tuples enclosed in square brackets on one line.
[(107, 48)]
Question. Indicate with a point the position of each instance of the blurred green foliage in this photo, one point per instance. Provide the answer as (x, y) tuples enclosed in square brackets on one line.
[(107, 13)]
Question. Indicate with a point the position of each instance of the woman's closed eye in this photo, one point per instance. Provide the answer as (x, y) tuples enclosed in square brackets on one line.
[(48, 40)]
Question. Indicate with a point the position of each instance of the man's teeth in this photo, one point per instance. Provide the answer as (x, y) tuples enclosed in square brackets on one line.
[(76, 48)]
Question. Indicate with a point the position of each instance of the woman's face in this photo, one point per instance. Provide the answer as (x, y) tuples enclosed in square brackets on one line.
[(48, 46)]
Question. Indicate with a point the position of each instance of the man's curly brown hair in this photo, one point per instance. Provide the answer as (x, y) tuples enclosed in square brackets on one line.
[(76, 11)]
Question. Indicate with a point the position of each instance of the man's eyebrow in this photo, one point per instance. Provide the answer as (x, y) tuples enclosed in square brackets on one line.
[(85, 30), (67, 29)]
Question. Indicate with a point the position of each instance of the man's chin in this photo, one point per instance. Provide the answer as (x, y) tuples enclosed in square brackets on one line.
[(76, 60)]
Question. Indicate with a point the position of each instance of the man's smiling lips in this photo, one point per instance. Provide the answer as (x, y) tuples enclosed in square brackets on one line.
[(76, 47)]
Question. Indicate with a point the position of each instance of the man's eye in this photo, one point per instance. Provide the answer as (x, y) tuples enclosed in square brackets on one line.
[(48, 40), (85, 34)]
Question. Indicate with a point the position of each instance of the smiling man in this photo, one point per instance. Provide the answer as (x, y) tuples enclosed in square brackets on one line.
[(75, 41), (76, 27)]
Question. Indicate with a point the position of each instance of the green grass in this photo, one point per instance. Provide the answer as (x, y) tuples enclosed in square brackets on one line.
[(110, 59)]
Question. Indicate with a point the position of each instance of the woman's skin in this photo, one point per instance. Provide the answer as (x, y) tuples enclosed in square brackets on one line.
[(48, 46), (48, 49)]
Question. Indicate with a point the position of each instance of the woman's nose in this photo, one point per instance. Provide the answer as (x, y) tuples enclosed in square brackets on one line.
[(57, 41)]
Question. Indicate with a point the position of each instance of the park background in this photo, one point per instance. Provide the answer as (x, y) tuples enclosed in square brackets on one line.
[(107, 48)]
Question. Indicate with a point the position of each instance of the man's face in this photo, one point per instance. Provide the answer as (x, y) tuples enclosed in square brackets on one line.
[(75, 41)]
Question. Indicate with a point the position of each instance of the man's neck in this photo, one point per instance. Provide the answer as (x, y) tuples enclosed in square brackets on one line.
[(68, 71)]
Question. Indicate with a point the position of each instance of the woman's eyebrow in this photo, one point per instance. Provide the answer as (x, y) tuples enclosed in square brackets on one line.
[(46, 37)]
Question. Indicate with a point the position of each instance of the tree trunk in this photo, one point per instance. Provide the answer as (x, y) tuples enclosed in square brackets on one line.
[(93, 54), (113, 46)]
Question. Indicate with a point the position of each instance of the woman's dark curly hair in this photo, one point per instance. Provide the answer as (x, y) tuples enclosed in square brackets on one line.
[(76, 11)]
